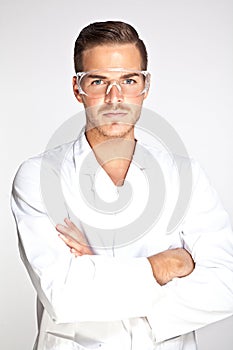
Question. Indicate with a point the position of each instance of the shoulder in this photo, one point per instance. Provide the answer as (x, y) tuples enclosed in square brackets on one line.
[(30, 170), (170, 161)]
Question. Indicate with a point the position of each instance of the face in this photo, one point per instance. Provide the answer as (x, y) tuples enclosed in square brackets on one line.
[(112, 115)]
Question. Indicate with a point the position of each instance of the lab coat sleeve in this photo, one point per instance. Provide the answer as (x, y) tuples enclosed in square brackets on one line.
[(87, 288), (206, 295)]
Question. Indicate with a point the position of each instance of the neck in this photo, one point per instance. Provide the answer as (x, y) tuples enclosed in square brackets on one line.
[(114, 154)]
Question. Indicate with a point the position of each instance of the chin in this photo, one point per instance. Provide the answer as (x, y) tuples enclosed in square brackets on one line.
[(116, 130)]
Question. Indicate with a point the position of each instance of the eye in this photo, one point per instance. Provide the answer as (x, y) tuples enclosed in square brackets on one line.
[(129, 81), (97, 82)]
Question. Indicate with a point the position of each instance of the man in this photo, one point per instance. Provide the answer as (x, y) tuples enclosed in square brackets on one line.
[(114, 289)]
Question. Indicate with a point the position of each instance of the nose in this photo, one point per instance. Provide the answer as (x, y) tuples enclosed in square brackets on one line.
[(113, 94)]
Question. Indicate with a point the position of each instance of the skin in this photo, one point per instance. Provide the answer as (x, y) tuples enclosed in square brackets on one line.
[(98, 128), (110, 122), (112, 116)]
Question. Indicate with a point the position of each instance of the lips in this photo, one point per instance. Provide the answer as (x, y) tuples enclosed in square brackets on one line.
[(115, 114)]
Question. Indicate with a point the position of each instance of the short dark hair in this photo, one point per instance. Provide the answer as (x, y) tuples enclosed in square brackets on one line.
[(109, 32)]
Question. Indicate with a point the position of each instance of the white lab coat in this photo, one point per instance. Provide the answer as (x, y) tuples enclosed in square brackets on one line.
[(111, 300)]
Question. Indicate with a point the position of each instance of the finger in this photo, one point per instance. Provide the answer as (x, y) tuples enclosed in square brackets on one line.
[(71, 225), (73, 234), (86, 250), (80, 248), (62, 229), (69, 222), (69, 242), (66, 229), (73, 230), (75, 252)]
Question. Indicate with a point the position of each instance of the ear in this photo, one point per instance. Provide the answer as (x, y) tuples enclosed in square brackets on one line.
[(75, 89), (145, 94), (148, 86)]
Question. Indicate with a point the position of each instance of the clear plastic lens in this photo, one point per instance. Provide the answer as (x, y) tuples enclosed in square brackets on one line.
[(99, 83)]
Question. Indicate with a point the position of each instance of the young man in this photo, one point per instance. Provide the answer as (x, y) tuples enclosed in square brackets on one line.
[(114, 289)]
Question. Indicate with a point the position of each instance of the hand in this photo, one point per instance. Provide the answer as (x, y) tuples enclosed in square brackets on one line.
[(74, 239), (171, 263)]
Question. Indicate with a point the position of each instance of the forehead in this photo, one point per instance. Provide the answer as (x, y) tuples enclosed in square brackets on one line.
[(112, 56)]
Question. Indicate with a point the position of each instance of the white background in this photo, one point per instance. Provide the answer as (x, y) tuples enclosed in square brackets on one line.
[(190, 44)]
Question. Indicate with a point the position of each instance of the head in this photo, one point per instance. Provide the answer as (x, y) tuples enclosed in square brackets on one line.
[(99, 47), (107, 33)]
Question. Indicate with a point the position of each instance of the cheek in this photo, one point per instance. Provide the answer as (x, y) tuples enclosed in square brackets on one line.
[(134, 101), (91, 102)]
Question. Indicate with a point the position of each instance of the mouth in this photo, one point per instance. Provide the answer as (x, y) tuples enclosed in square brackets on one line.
[(115, 114)]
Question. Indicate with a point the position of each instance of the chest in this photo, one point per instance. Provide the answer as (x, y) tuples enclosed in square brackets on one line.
[(127, 220)]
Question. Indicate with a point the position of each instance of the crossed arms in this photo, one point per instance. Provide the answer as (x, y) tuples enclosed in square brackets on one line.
[(166, 265), (103, 288)]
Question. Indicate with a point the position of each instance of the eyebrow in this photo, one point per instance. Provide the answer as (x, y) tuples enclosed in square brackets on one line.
[(129, 75), (96, 76), (124, 76)]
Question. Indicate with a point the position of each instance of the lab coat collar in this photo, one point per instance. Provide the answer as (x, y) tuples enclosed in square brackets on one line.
[(83, 149)]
